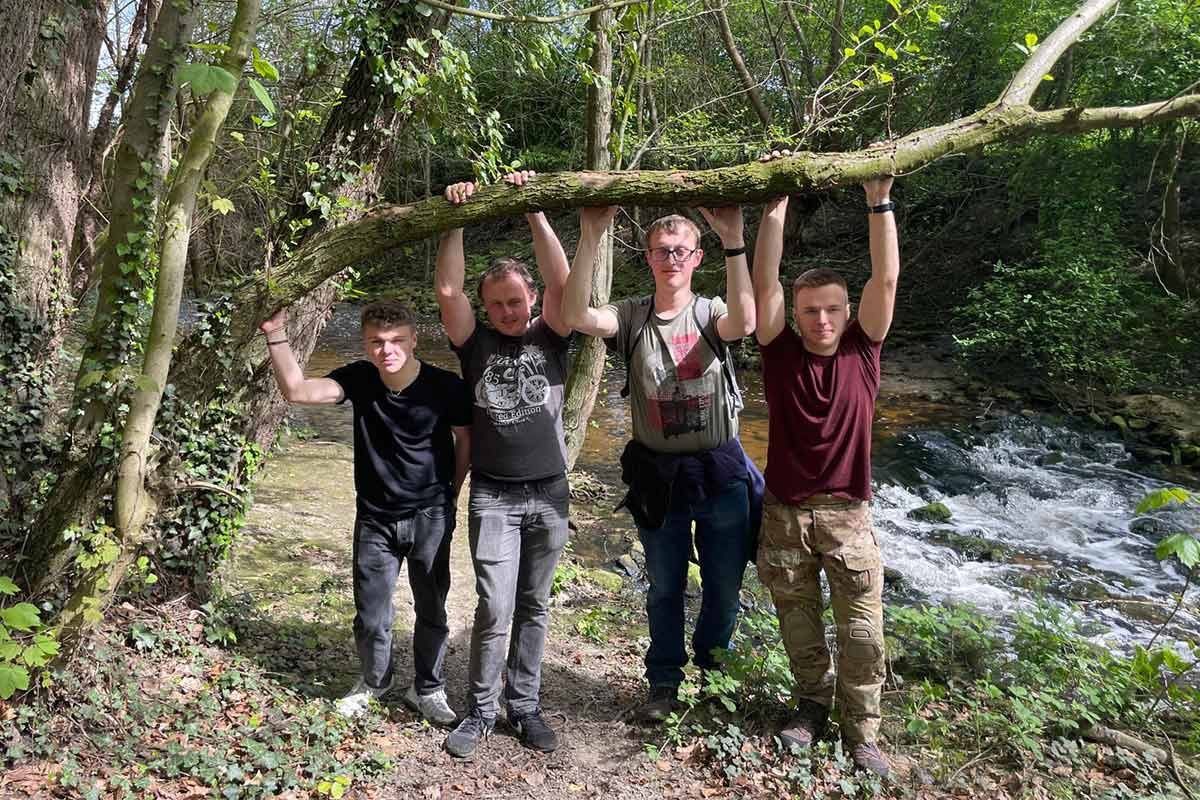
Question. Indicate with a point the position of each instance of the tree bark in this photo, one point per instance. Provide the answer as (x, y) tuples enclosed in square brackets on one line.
[(365, 128), (90, 220), (739, 64), (584, 379), (76, 500), (138, 171), (133, 504), (48, 58), (390, 226), (835, 37)]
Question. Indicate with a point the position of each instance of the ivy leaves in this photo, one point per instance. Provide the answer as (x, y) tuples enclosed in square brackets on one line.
[(23, 645)]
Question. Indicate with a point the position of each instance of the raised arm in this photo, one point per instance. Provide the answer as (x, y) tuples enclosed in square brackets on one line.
[(738, 321), (457, 317), (879, 295), (551, 260), (294, 387), (769, 304), (577, 311)]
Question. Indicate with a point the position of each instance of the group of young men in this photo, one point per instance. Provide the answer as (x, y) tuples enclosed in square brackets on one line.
[(692, 489)]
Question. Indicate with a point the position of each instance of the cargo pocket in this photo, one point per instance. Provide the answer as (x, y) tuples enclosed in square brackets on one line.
[(856, 567)]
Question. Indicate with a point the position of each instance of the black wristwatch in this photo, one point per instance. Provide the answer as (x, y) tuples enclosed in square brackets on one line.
[(882, 208)]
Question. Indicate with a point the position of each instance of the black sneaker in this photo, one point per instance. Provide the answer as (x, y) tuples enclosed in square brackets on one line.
[(533, 731), (463, 740), (660, 702)]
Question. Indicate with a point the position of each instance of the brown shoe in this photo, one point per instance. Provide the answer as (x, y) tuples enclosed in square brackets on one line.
[(806, 726), (867, 757)]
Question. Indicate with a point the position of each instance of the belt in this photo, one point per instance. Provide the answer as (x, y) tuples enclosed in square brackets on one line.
[(826, 499)]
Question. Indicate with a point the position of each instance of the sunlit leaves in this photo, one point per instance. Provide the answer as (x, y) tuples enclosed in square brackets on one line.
[(205, 79)]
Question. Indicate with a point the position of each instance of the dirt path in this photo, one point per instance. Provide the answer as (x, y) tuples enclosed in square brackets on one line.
[(293, 565)]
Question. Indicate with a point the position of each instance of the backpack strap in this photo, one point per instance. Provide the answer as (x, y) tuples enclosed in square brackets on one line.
[(639, 321), (702, 313), (702, 310)]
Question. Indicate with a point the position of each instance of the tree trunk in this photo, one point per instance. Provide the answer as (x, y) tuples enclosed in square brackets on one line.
[(133, 504), (128, 247), (785, 74), (365, 128), (835, 37), (48, 58), (76, 500), (584, 380), (90, 220), (739, 64)]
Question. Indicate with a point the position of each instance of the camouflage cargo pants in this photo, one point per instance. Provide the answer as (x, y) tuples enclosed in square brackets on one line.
[(797, 542)]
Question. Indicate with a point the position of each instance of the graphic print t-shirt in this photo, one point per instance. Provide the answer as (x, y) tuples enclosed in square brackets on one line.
[(678, 399), (516, 383), (403, 446)]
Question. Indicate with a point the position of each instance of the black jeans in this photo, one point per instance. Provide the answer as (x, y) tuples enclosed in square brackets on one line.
[(379, 547)]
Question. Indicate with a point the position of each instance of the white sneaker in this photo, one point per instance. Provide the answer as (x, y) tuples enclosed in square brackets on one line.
[(432, 707), (355, 703)]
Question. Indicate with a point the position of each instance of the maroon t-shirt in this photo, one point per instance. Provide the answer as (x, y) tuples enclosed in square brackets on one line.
[(820, 411)]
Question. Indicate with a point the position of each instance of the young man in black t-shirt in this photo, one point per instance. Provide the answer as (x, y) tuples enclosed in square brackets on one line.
[(407, 472)]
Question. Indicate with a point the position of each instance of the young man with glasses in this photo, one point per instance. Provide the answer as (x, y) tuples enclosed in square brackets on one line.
[(820, 382), (685, 466), (515, 369)]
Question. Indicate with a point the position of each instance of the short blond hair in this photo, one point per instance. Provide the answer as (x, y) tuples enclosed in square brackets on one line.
[(671, 224)]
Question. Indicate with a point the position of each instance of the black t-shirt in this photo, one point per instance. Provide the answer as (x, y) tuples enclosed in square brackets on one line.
[(517, 383), (403, 446)]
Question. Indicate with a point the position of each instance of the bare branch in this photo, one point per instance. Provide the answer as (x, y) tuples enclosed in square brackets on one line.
[(1021, 88)]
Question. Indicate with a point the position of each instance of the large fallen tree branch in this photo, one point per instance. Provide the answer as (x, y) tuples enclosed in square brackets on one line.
[(1009, 118), (389, 226)]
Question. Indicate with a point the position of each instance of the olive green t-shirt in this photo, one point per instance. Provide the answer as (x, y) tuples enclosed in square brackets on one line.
[(678, 399)]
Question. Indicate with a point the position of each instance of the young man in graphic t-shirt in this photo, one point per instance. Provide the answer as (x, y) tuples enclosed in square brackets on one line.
[(820, 382), (685, 466), (411, 449), (515, 369)]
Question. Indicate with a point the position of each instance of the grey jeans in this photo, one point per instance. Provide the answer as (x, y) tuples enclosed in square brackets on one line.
[(518, 531), (379, 547)]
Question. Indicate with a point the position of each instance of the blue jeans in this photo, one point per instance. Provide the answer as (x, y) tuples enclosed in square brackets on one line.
[(723, 545)]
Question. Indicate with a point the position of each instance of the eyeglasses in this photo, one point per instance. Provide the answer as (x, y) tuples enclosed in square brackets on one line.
[(660, 255)]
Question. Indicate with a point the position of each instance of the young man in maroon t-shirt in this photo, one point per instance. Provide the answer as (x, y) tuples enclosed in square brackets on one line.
[(820, 382)]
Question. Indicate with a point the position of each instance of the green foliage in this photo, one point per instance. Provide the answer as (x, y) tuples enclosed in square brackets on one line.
[(207, 78), (26, 383), (25, 643), (951, 643), (154, 707), (214, 464)]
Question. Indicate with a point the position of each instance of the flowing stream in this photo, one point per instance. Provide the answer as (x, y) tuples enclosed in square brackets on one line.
[(1037, 508)]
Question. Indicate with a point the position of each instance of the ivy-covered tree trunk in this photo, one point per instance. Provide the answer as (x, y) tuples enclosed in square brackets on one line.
[(127, 258), (584, 379), (354, 152), (77, 500), (133, 504), (90, 220), (48, 56)]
